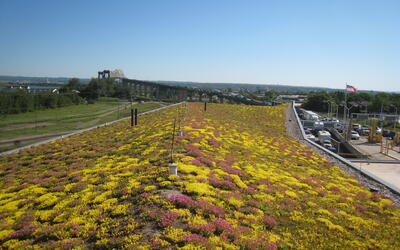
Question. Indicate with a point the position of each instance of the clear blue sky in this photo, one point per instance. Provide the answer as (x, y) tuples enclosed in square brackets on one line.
[(322, 43)]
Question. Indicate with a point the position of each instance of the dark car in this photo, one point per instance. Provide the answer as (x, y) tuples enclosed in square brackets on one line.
[(332, 148), (391, 135), (388, 133), (385, 133), (315, 132)]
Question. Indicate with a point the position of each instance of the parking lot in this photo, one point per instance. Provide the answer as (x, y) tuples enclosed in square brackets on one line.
[(384, 166), (373, 150)]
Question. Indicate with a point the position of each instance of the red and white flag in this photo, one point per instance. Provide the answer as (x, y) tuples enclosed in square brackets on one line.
[(350, 88)]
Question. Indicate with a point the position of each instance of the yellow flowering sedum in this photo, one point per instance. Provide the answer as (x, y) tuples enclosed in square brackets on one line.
[(242, 183)]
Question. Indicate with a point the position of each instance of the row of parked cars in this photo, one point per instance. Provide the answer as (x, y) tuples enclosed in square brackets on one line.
[(365, 130), (361, 129), (322, 137)]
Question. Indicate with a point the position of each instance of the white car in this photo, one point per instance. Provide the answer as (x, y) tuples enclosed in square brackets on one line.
[(311, 137), (355, 135), (326, 143)]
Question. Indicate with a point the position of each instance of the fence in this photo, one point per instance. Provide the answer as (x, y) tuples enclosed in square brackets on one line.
[(83, 130)]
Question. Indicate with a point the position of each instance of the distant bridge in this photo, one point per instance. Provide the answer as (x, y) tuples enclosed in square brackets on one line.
[(159, 91)]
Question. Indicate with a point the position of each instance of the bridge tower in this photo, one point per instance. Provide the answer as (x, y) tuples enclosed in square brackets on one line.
[(104, 74)]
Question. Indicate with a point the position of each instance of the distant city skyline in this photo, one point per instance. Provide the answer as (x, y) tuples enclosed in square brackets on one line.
[(300, 43)]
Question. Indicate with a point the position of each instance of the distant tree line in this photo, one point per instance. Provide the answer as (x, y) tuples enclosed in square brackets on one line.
[(360, 102), (74, 92), (23, 101)]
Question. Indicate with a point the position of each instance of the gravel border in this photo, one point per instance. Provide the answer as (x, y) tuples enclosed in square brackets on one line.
[(293, 129)]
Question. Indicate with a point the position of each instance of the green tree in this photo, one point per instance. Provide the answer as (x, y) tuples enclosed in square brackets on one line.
[(270, 95), (318, 102), (73, 84)]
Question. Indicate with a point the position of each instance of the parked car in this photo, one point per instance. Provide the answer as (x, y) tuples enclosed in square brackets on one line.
[(326, 143), (318, 125), (385, 133), (311, 137), (364, 130), (332, 148), (355, 135), (315, 132), (339, 127), (388, 133), (324, 136), (391, 134), (356, 126)]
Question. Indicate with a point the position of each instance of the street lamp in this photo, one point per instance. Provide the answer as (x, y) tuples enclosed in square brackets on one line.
[(364, 104), (331, 107), (347, 115), (395, 117)]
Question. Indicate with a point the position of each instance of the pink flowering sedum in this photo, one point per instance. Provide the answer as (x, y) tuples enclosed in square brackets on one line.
[(242, 183)]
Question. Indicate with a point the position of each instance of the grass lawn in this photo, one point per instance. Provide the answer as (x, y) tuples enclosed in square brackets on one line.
[(59, 120)]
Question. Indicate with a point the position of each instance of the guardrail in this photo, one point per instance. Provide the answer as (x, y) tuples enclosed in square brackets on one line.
[(82, 130), (343, 160)]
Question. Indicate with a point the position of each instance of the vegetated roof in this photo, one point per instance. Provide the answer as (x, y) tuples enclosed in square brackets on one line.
[(242, 183)]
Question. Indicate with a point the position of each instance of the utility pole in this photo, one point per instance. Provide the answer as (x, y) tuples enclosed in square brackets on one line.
[(345, 104), (337, 111), (345, 110), (329, 108), (381, 116)]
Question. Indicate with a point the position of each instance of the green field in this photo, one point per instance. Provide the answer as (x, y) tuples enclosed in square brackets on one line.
[(61, 120)]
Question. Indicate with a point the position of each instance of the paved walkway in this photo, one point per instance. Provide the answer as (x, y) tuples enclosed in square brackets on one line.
[(387, 172), (374, 150)]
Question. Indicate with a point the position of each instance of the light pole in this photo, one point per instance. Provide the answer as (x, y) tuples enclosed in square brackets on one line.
[(331, 110), (364, 104), (395, 117), (329, 107), (381, 116), (347, 125), (337, 112)]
